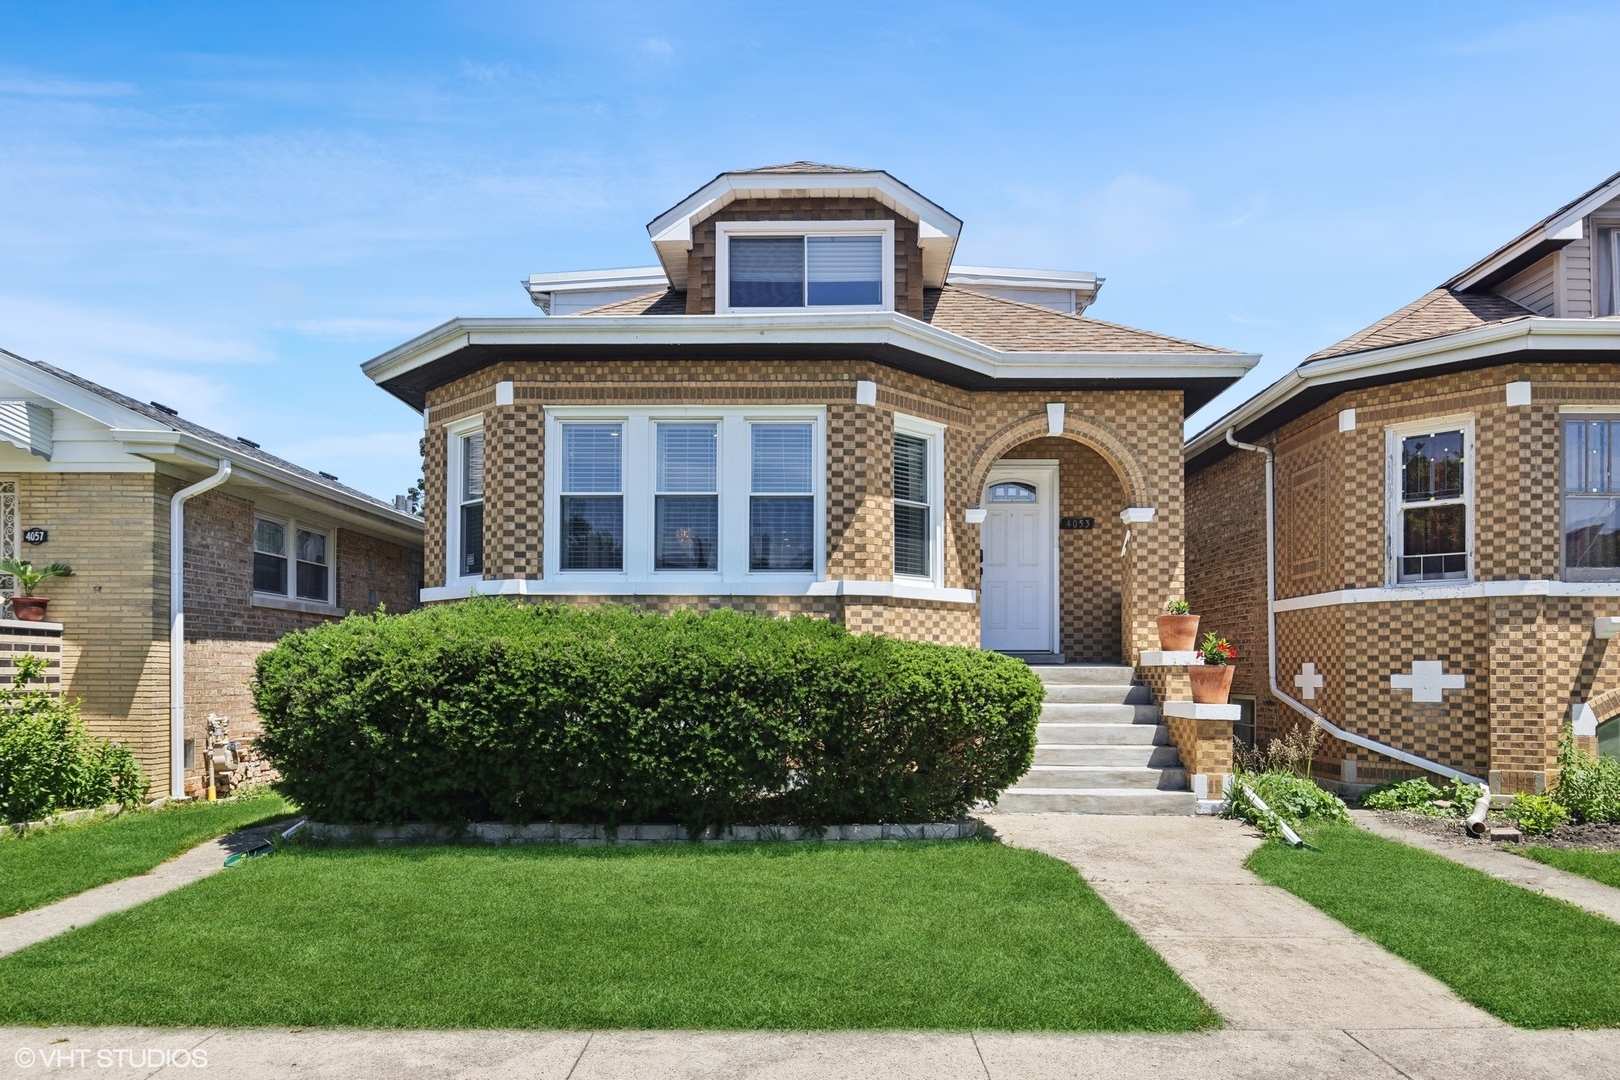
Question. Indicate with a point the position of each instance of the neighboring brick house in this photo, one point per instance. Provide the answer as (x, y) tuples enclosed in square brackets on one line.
[(1447, 509), (807, 408), (88, 477)]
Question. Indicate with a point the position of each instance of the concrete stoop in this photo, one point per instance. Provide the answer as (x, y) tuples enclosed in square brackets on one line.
[(1101, 748)]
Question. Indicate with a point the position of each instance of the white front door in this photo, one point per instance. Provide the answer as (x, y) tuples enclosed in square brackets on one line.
[(1018, 541)]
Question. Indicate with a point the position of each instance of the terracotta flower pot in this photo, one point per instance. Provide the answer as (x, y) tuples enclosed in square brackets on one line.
[(1211, 683), (29, 608), (1178, 633)]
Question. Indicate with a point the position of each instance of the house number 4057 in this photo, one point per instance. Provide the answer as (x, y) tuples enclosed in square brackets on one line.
[(35, 536)]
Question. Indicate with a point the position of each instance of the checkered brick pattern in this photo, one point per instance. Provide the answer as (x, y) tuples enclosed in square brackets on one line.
[(913, 620), (514, 500), (435, 503), (908, 276), (860, 479)]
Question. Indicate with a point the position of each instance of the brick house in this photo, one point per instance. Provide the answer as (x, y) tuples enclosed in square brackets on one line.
[(1447, 503), (93, 478), (806, 406)]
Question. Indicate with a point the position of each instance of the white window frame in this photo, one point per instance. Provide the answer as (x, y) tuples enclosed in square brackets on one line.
[(1394, 533), (639, 482), (934, 434), (293, 525), (453, 482), (724, 230), (1566, 414)]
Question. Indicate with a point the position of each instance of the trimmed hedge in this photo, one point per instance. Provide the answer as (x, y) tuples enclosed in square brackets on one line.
[(489, 710)]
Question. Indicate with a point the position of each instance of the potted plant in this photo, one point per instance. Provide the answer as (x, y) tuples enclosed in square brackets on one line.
[(1212, 680), (28, 607), (1178, 629)]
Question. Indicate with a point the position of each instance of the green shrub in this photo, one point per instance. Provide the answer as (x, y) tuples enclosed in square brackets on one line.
[(1536, 814), (493, 710), (1588, 786), (1418, 796), (1295, 799), (48, 762)]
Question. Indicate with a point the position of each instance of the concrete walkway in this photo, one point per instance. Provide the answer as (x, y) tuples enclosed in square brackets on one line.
[(1264, 958), (1385, 1053), (1482, 855), (21, 931)]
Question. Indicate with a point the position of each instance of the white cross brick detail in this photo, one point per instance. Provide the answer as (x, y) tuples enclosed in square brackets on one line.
[(1308, 681), (1427, 681)]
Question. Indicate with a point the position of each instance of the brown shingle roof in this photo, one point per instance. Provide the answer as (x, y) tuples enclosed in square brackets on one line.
[(1434, 314), (807, 167), (1010, 325)]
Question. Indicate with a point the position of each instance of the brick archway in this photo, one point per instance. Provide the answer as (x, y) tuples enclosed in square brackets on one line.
[(1110, 446), (1606, 705)]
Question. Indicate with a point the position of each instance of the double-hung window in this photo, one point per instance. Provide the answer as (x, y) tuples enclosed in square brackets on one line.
[(1431, 503), (781, 502), (291, 560), (470, 512), (592, 501), (785, 266), (918, 514), (686, 525), (1591, 498)]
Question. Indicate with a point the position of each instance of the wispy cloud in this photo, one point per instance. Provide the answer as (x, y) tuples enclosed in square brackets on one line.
[(63, 88), (64, 333)]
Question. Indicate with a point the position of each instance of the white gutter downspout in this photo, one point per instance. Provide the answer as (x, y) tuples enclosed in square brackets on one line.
[(177, 625), (1313, 716)]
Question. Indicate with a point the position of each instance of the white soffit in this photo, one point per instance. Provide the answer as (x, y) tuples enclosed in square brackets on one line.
[(27, 425), (937, 228)]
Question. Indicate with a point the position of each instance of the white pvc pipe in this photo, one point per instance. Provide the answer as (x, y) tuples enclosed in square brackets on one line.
[(1260, 804), (1271, 645), (177, 625)]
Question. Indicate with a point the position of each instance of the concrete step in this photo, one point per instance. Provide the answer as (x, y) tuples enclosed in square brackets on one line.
[(1138, 801), (1102, 735), (1095, 777), (1088, 694), (1141, 756), (1087, 674), (1074, 712)]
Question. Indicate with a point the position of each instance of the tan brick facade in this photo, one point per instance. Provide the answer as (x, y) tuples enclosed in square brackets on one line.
[(1525, 659), (1120, 448)]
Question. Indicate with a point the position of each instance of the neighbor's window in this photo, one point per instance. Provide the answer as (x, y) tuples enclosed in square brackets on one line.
[(1433, 523), (472, 504), (1608, 271), (592, 497), (912, 528), (805, 271), (1592, 498), (686, 499), (781, 503), (269, 557), (314, 576)]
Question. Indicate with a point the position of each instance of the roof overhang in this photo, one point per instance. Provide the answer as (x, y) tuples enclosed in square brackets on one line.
[(462, 346), (1527, 340), (937, 229), (634, 281), (1536, 243)]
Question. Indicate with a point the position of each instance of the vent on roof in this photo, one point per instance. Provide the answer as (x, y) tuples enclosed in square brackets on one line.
[(329, 476), (160, 407), (247, 442)]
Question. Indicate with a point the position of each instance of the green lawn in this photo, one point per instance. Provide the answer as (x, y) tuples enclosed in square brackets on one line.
[(1601, 866), (1529, 959), (39, 868), (954, 936)]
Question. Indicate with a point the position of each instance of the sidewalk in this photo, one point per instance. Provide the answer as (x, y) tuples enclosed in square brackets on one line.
[(1482, 855), (1384, 1054)]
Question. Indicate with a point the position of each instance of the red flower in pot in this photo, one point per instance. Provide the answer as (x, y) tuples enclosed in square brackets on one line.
[(26, 606), (1212, 680)]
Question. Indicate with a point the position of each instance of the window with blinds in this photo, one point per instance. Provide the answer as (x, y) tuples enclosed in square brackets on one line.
[(911, 509), (686, 498), (805, 271), (472, 504), (592, 502), (781, 503)]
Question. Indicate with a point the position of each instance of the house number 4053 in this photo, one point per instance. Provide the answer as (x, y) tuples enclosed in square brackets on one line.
[(35, 536)]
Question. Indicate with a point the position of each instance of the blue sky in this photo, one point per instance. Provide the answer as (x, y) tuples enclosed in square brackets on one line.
[(228, 207)]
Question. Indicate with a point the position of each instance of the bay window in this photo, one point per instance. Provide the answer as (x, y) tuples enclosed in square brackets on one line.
[(592, 502), (786, 266), (781, 501), (687, 500), (1430, 498), (1592, 498)]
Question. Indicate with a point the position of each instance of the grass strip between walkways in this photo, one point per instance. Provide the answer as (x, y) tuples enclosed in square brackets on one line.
[(40, 868), (964, 935), (1529, 959), (1600, 866)]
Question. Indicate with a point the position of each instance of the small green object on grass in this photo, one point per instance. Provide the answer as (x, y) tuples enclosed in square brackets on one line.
[(954, 936), (39, 868), (1529, 959)]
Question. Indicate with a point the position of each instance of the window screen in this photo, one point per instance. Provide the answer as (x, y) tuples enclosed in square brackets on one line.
[(269, 557), (592, 501), (766, 271), (911, 513), (314, 575), (471, 510), (844, 270), (686, 508), (781, 508)]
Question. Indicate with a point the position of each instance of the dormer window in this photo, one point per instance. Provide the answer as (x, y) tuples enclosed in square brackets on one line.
[(797, 266)]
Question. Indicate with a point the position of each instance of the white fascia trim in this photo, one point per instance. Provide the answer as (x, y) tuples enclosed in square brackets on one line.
[(789, 586), (1531, 334), (1465, 591), (542, 287), (671, 231), (807, 328), (1007, 277)]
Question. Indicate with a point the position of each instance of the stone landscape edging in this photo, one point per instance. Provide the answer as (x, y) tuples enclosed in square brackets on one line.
[(497, 832)]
